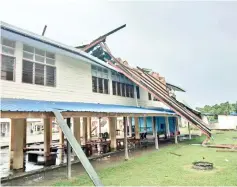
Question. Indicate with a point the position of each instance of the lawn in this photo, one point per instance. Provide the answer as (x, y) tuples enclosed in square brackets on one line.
[(162, 168)]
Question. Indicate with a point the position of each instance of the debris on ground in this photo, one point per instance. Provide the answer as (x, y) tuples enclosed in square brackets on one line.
[(226, 150), (175, 154)]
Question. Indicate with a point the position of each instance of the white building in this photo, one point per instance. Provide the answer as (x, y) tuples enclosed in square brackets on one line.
[(34, 67)]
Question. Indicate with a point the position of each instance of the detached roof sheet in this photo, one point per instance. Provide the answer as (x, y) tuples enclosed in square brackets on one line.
[(24, 105)]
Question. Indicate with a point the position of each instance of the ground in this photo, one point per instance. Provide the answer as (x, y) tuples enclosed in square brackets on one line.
[(166, 169)]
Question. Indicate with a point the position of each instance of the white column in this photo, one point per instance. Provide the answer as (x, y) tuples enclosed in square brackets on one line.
[(112, 132), (189, 132), (155, 132), (18, 126), (130, 126), (175, 130), (125, 138), (167, 126), (137, 134)]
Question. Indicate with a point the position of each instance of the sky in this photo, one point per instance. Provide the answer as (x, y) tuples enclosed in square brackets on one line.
[(192, 44)]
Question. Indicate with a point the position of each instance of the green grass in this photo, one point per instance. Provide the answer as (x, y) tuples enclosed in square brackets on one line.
[(162, 168)]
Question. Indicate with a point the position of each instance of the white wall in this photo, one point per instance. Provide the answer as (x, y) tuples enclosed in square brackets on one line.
[(227, 122), (73, 83)]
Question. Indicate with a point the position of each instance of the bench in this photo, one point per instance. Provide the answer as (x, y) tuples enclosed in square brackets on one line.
[(33, 157), (53, 149)]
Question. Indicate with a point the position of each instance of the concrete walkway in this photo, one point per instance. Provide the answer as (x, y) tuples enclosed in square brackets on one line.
[(4, 141)]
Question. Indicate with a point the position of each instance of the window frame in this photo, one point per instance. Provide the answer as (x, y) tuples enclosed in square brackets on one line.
[(103, 74), (14, 67), (45, 64), (2, 53)]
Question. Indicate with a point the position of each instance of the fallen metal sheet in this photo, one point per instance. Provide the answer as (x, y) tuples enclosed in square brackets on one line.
[(77, 149)]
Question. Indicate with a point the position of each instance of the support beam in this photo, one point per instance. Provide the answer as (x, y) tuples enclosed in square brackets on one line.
[(77, 129), (61, 146), (137, 133), (17, 143), (125, 138), (175, 131), (189, 132), (99, 127), (130, 126), (47, 138), (89, 128), (84, 131), (145, 124), (112, 132), (78, 150), (155, 132), (167, 126), (69, 165)]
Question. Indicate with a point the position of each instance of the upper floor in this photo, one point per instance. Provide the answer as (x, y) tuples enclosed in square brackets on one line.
[(34, 67)]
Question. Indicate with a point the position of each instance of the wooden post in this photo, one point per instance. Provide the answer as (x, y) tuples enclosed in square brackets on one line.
[(189, 132), (145, 124), (99, 127), (155, 132), (69, 170), (84, 131), (175, 131), (17, 141), (89, 128), (112, 132), (130, 126), (47, 138), (125, 137), (167, 126), (137, 129), (77, 130), (61, 146)]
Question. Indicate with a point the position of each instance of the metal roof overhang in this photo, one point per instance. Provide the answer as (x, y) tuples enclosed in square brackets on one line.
[(42, 42), (15, 108)]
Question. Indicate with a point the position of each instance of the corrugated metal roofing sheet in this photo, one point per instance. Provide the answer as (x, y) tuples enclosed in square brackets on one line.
[(24, 105)]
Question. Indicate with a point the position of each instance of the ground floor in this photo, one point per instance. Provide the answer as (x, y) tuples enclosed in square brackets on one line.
[(169, 166)]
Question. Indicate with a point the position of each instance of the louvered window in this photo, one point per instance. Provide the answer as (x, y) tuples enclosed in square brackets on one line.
[(38, 66), (7, 59)]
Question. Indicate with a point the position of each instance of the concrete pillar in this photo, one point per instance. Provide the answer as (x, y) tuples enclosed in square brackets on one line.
[(69, 170), (17, 143), (77, 129), (125, 137), (89, 128), (145, 124), (99, 127), (167, 126), (137, 129), (189, 132), (84, 131), (155, 132), (175, 131), (112, 132), (130, 126), (61, 145), (47, 137)]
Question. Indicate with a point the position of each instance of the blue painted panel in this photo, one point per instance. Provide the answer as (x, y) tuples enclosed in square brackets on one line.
[(172, 122)]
